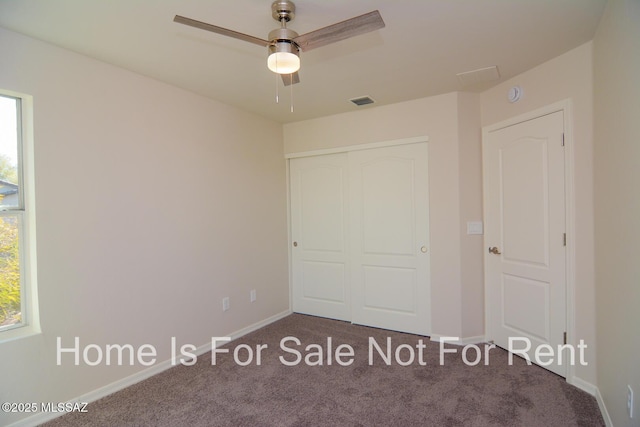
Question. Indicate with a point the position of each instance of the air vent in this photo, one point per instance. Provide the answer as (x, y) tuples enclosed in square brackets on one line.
[(363, 100)]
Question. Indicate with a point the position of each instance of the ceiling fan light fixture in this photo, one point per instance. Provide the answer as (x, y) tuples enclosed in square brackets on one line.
[(283, 57)]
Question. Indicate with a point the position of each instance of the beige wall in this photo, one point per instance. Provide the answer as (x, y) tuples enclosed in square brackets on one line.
[(617, 176), (567, 76), (451, 122), (471, 246), (117, 264)]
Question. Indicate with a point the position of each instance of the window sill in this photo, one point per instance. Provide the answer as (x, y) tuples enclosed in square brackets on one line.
[(18, 333)]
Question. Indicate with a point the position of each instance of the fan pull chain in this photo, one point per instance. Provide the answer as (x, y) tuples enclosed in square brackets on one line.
[(291, 87), (277, 97)]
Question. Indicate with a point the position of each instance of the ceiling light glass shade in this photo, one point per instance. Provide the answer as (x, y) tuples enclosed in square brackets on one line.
[(283, 58)]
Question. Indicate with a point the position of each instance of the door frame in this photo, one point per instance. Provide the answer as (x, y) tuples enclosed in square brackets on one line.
[(566, 107), (320, 152)]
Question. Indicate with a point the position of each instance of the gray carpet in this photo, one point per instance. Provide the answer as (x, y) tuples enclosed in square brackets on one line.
[(273, 394)]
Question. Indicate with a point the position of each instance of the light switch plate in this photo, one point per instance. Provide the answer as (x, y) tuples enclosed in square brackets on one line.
[(474, 227)]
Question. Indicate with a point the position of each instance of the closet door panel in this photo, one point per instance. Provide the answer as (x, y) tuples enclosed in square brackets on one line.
[(389, 238), (319, 231)]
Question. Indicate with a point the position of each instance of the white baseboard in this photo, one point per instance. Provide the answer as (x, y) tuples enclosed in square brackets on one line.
[(458, 341), (261, 324), (123, 383), (473, 340), (583, 385), (603, 409)]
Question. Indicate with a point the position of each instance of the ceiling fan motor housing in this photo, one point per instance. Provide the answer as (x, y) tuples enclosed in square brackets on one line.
[(281, 39), (282, 34), (284, 46)]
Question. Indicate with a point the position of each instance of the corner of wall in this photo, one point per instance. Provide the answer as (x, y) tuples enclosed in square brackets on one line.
[(470, 195), (616, 66)]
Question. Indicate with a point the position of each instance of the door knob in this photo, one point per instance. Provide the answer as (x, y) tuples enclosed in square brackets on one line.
[(494, 250), (295, 244), (423, 249)]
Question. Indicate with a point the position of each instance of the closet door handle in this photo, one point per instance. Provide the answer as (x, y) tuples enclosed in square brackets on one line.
[(494, 250)]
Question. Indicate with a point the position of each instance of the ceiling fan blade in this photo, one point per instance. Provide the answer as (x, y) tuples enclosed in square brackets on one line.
[(290, 79), (219, 30), (342, 30)]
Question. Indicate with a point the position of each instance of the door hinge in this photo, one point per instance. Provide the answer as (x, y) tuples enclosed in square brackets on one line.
[(564, 239), (563, 139), (565, 338)]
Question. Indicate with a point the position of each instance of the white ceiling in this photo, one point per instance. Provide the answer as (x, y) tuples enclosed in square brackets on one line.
[(424, 44)]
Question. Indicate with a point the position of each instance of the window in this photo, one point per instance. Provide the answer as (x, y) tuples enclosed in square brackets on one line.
[(18, 307)]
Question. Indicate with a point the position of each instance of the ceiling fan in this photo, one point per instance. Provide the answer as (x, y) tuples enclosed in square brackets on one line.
[(284, 45)]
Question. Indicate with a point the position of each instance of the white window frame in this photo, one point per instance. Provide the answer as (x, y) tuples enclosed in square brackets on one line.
[(30, 324)]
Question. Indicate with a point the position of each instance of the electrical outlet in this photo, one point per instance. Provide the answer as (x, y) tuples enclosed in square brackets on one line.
[(252, 295), (630, 401), (225, 303)]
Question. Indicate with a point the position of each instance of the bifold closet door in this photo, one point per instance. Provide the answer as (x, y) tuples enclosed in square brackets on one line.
[(389, 238), (320, 265)]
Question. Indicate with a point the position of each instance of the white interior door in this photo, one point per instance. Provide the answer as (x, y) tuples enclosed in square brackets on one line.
[(525, 266), (319, 230), (389, 230)]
